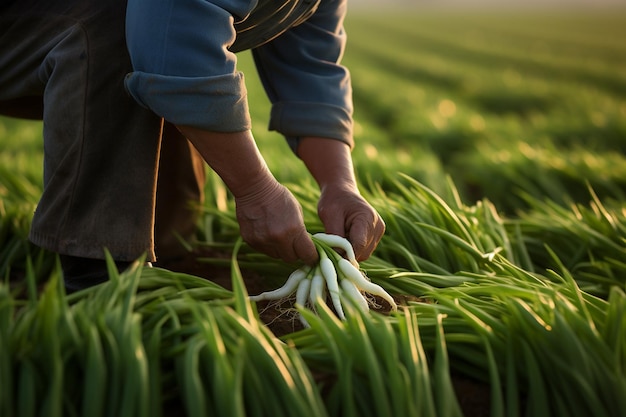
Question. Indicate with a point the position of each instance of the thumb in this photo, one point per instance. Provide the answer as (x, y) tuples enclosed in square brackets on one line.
[(305, 249)]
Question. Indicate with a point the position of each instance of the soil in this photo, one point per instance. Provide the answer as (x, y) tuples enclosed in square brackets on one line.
[(472, 394)]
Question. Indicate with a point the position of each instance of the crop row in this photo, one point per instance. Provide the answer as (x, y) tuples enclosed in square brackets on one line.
[(513, 306)]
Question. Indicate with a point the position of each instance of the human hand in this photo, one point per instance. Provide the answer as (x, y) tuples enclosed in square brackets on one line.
[(341, 208), (346, 213), (270, 221), (270, 218)]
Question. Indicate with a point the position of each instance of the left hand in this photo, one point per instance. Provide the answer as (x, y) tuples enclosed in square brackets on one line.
[(344, 212), (341, 208)]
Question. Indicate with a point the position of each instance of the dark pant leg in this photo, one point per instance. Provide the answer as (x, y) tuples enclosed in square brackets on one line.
[(64, 61), (180, 192), (101, 149)]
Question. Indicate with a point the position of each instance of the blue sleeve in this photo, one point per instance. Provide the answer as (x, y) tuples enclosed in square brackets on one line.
[(309, 89), (183, 70)]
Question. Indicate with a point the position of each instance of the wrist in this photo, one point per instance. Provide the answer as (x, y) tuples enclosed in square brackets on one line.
[(261, 187), (329, 161)]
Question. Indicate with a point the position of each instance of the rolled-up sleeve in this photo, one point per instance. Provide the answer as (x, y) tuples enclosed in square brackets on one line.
[(182, 69), (309, 89)]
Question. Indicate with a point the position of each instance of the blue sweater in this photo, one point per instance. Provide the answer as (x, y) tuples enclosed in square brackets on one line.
[(184, 72)]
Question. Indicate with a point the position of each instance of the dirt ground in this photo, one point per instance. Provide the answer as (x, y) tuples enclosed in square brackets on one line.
[(473, 395)]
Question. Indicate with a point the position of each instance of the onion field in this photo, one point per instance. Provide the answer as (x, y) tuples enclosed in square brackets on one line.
[(494, 147)]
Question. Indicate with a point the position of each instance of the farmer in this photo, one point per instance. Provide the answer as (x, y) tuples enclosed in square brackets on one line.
[(136, 95)]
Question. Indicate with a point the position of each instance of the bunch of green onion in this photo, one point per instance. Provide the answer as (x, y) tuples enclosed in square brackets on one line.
[(334, 277)]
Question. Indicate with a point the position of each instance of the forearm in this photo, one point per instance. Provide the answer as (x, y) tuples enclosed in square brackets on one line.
[(329, 161), (234, 157)]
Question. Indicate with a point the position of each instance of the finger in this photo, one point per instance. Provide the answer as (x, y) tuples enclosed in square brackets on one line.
[(304, 249), (365, 237), (278, 249), (358, 237), (333, 223), (288, 257), (377, 233), (261, 246)]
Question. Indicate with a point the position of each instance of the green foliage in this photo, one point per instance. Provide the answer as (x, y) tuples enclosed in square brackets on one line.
[(493, 147)]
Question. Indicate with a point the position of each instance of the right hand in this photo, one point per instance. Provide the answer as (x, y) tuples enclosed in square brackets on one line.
[(270, 220)]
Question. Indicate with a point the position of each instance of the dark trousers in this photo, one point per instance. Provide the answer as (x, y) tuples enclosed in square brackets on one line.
[(115, 176)]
